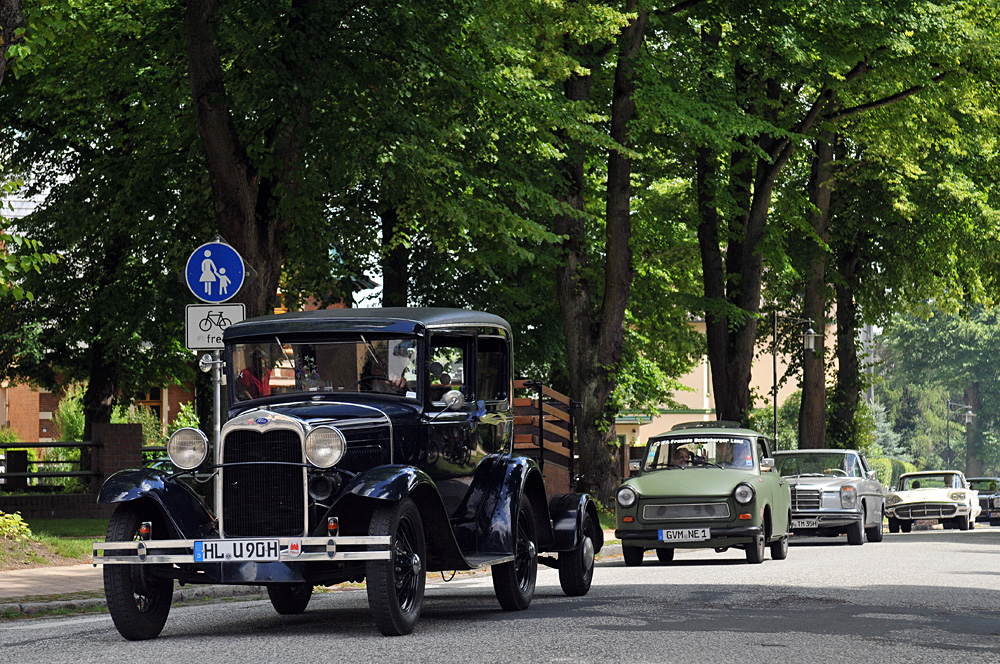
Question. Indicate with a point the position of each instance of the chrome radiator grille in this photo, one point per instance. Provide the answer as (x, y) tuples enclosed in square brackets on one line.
[(926, 511), (267, 497), (805, 499), (688, 511)]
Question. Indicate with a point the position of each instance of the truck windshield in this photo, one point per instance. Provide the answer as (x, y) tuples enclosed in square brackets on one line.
[(386, 366)]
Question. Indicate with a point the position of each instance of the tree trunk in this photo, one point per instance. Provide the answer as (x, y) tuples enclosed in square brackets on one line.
[(842, 427), (973, 432), (11, 18), (812, 413), (395, 260)]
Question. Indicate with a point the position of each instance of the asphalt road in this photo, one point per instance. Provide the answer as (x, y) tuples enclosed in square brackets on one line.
[(917, 597)]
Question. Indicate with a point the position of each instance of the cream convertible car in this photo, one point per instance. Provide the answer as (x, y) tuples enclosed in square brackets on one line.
[(932, 496)]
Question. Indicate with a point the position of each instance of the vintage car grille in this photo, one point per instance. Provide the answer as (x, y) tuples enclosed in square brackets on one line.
[(926, 511), (805, 499), (687, 511), (264, 499)]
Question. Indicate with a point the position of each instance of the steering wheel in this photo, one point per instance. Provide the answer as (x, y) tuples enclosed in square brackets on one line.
[(835, 471)]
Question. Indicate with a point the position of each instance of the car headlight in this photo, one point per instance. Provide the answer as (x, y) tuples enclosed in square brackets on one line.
[(325, 446), (187, 448), (848, 497), (744, 493), (957, 496), (893, 500), (627, 496)]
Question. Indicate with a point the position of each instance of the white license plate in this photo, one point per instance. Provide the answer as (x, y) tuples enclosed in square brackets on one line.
[(925, 522), (221, 551), (805, 523), (685, 535)]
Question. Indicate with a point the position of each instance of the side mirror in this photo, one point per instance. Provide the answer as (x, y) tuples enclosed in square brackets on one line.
[(453, 400), (766, 464), (872, 475)]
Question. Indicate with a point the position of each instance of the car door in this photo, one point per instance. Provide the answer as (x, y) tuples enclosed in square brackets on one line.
[(776, 489), (869, 488)]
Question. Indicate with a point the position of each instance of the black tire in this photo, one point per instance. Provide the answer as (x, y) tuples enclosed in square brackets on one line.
[(665, 555), (779, 548), (905, 526), (138, 601), (633, 555), (396, 586), (962, 521), (972, 523), (576, 567), (755, 550), (289, 599), (514, 582), (856, 533), (893, 525), (874, 533)]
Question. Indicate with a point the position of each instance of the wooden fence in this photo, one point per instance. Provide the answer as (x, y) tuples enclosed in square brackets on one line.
[(545, 430)]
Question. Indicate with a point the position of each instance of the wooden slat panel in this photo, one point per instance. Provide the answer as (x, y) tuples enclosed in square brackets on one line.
[(552, 394), (555, 412)]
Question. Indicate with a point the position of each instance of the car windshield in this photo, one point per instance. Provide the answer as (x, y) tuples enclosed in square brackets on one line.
[(943, 481), (699, 451), (816, 464), (983, 485), (364, 364)]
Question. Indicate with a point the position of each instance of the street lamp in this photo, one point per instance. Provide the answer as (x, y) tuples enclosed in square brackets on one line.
[(810, 339), (951, 406)]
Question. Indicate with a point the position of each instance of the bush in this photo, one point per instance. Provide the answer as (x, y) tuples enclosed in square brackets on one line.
[(883, 469), (13, 527), (187, 417), (8, 435), (68, 418)]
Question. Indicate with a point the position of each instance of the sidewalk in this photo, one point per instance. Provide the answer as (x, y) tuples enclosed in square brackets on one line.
[(76, 587)]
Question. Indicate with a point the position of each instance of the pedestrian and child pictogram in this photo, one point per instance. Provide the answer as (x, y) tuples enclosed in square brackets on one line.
[(214, 272)]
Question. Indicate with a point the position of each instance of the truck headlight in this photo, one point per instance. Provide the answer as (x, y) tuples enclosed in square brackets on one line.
[(627, 496), (187, 448), (744, 493), (325, 446), (848, 497)]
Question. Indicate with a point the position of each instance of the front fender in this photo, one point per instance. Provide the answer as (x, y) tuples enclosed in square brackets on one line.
[(568, 510), (182, 507), (392, 483)]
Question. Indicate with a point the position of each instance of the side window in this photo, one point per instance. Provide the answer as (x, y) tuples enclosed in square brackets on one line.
[(854, 468), (449, 365), (492, 382), (762, 449)]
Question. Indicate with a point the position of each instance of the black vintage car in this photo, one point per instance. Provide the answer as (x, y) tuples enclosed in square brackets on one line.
[(362, 444), (989, 498)]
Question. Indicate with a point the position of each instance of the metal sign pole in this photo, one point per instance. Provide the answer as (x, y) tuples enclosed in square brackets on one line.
[(216, 397)]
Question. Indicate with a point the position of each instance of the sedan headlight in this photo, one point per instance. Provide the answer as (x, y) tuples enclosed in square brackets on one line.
[(957, 496), (848, 497), (893, 500), (744, 493), (627, 496), (325, 446), (187, 448)]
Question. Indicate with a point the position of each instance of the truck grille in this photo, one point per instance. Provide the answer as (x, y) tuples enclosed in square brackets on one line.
[(265, 499), (805, 499)]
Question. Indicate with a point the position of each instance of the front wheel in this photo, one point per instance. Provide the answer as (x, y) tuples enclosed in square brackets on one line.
[(963, 521), (755, 550), (874, 533), (514, 582), (893, 525), (137, 601), (856, 533), (905, 526), (779, 548), (576, 567), (633, 555), (289, 600), (396, 586)]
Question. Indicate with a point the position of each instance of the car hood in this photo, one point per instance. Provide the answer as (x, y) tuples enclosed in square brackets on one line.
[(821, 482), (691, 481), (930, 495)]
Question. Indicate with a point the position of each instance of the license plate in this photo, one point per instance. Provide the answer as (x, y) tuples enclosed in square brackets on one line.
[(685, 535), (805, 523), (220, 551), (925, 522)]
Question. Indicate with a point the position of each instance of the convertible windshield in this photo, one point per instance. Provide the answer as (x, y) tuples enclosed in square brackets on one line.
[(355, 365), (688, 451), (943, 481), (818, 463)]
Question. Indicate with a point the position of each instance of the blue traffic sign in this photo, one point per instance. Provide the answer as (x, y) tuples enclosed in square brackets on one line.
[(214, 272)]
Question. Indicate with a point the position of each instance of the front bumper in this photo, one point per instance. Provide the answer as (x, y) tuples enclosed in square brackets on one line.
[(719, 537), (825, 519), (289, 550)]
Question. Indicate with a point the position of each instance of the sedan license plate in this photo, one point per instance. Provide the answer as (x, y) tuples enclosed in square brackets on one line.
[(805, 523), (222, 551), (685, 535)]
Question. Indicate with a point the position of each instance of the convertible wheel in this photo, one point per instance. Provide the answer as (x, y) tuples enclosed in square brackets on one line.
[(396, 586), (576, 567), (963, 521), (138, 601), (779, 548), (665, 555), (874, 533), (289, 600), (514, 582), (905, 526), (856, 533), (755, 550), (893, 525), (633, 555)]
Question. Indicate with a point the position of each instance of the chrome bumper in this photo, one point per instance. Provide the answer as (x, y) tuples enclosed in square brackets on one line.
[(310, 549)]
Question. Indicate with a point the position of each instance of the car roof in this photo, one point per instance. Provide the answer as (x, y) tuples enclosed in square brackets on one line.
[(933, 472), (719, 429), (989, 479), (824, 450), (378, 319)]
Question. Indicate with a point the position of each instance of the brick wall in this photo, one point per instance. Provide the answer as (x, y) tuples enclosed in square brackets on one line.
[(22, 412)]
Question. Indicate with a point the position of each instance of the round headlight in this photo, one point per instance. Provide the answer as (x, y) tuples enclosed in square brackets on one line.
[(627, 496), (893, 500), (325, 446), (957, 496), (187, 448), (848, 497), (744, 493)]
